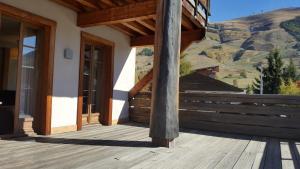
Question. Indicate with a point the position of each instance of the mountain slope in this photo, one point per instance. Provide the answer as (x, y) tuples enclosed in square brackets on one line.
[(237, 46)]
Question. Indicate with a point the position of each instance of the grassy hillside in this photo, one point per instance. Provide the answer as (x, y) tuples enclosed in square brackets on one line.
[(240, 44), (293, 27)]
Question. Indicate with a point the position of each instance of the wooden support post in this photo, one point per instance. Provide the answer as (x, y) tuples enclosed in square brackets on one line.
[(164, 127)]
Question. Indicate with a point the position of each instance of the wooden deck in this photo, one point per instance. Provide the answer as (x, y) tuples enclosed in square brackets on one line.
[(128, 146)]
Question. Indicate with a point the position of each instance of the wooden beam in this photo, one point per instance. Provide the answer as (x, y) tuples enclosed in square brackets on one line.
[(107, 2), (186, 23), (137, 28), (193, 35), (149, 76), (141, 84), (127, 13), (68, 4), (148, 23), (164, 123), (124, 29), (88, 4)]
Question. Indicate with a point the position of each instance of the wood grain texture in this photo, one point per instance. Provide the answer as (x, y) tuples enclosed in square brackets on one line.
[(45, 96), (164, 108), (274, 116), (128, 146), (106, 116), (122, 14)]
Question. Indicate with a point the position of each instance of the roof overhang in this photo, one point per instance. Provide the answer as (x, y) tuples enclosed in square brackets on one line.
[(136, 18)]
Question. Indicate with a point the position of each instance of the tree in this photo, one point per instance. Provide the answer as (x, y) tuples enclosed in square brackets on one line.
[(272, 75), (256, 86), (249, 89), (289, 73)]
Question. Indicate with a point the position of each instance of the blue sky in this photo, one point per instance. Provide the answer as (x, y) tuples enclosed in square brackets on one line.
[(229, 9)]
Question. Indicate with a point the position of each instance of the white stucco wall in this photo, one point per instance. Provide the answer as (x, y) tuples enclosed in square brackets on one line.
[(66, 72)]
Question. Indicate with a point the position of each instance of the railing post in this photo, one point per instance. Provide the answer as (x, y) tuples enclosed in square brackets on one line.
[(164, 127)]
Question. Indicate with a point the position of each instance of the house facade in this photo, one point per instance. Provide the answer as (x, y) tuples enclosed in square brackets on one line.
[(61, 71)]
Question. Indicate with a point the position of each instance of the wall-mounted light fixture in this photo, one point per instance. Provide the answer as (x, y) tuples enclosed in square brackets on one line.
[(68, 53)]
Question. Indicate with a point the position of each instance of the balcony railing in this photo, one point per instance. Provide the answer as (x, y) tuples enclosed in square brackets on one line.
[(262, 115)]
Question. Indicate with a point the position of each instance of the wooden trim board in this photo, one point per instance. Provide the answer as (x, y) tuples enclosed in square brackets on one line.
[(47, 71), (120, 121), (106, 118), (64, 129)]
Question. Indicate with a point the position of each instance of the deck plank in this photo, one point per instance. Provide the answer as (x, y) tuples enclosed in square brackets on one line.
[(164, 154), (295, 151), (128, 146), (247, 159), (54, 144), (273, 154), (17, 145), (286, 156), (259, 161), (87, 153), (53, 156), (132, 157)]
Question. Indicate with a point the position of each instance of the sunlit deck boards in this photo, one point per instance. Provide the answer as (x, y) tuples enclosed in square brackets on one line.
[(128, 146)]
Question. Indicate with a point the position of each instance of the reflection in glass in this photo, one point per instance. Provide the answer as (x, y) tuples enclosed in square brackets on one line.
[(97, 80), (93, 79), (86, 78), (29, 76)]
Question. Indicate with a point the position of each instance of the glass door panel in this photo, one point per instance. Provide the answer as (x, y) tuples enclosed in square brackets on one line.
[(92, 83), (86, 78), (9, 51), (29, 70), (97, 80)]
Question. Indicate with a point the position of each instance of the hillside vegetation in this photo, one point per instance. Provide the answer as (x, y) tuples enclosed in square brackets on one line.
[(293, 27), (237, 46)]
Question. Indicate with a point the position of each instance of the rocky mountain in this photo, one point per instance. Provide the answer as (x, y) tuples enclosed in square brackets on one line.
[(238, 45)]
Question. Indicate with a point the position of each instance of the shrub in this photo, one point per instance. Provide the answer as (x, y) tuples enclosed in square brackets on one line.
[(243, 74), (146, 52), (185, 68), (290, 89), (292, 27), (229, 76), (249, 89)]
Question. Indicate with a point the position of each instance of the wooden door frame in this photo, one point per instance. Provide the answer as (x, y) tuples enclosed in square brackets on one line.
[(47, 76), (106, 118)]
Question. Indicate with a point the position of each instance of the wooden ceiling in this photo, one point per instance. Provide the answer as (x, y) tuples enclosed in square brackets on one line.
[(136, 18)]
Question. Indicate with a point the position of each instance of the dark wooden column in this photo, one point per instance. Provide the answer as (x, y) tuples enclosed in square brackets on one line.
[(164, 127)]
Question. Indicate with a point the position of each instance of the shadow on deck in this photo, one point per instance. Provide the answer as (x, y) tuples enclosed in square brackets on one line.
[(128, 146)]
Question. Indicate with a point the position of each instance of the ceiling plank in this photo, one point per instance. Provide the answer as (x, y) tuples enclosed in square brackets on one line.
[(130, 1), (187, 36), (118, 2), (108, 3), (127, 13)]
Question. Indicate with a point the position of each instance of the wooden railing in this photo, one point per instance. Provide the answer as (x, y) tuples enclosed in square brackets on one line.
[(267, 115)]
